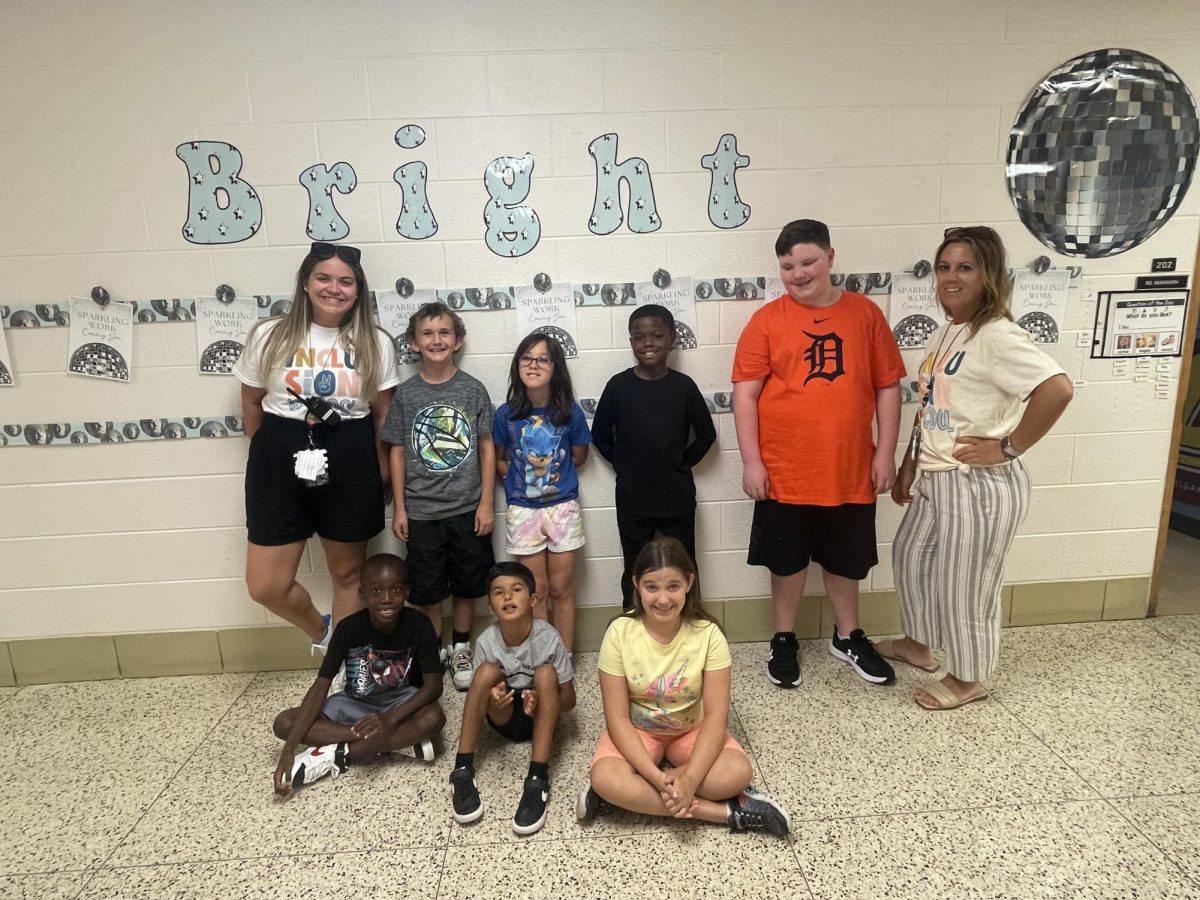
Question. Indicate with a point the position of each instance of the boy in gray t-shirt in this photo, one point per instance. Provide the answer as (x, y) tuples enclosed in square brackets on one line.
[(523, 680), (443, 469)]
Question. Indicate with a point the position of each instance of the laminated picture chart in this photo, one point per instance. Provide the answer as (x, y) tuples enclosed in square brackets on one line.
[(551, 313), (101, 339), (1139, 323), (221, 329)]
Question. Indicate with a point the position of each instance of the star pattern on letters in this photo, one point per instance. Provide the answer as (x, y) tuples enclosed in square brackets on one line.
[(222, 229), (239, 213), (203, 214)]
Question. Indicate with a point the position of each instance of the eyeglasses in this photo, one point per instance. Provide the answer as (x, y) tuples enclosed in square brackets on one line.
[(537, 362), (970, 231), (344, 252)]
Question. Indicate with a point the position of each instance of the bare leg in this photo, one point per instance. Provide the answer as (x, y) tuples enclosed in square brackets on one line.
[(433, 612), (913, 652), (271, 580), (475, 707), (344, 561), (538, 565), (464, 613), (562, 594), (545, 711), (730, 774), (843, 597), (420, 726), (786, 593), (619, 783)]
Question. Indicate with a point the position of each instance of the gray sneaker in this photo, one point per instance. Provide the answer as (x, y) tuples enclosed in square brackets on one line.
[(461, 669), (587, 804), (752, 811)]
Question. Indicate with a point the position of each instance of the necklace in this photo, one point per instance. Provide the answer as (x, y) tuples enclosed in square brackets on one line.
[(938, 359)]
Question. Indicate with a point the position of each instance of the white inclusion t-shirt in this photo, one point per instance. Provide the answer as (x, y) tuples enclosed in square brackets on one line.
[(323, 369), (980, 384)]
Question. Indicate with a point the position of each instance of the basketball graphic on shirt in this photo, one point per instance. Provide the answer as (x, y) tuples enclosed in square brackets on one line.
[(562, 336), (441, 437), (914, 331), (1043, 328), (685, 338)]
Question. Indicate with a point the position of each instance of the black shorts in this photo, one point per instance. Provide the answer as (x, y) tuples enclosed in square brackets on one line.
[(519, 727), (446, 557), (281, 509), (841, 539)]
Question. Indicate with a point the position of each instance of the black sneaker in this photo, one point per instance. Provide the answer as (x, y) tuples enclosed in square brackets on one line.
[(860, 653), (531, 811), (587, 804), (752, 811), (783, 668), (467, 805)]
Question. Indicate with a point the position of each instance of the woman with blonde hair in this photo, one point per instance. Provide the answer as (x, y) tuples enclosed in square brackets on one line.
[(988, 394)]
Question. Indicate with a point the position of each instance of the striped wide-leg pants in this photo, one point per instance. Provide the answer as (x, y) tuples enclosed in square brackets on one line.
[(949, 556)]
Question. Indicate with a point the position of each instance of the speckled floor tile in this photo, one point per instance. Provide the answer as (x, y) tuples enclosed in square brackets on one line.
[(1172, 824), (7, 693), (415, 874), (697, 862), (1044, 851), (1117, 701), (42, 887), (1185, 629), (85, 761), (837, 746), (222, 805)]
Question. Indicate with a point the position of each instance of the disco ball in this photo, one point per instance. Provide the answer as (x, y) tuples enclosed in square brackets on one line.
[(1102, 152)]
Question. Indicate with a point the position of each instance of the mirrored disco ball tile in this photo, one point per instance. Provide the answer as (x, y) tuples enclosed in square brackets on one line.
[(1102, 152)]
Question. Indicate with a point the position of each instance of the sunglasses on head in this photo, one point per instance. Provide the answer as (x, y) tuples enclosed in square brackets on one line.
[(970, 231), (344, 252)]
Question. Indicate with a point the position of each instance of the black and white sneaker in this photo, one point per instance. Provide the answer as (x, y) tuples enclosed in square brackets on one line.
[(752, 811), (858, 651), (423, 751), (783, 668), (531, 811), (587, 804), (465, 796), (317, 762)]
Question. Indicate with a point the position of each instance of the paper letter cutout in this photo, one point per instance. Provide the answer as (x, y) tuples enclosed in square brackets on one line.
[(607, 211), (222, 209), (509, 228)]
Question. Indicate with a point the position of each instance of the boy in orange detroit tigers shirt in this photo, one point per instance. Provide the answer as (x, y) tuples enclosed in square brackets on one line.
[(811, 371)]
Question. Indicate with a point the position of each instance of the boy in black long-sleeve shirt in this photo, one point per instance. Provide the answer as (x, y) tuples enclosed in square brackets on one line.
[(652, 424)]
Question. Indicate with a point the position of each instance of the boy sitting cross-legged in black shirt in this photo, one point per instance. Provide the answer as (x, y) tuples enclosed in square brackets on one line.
[(653, 425), (393, 682)]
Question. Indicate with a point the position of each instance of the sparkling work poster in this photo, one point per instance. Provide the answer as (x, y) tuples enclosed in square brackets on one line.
[(221, 329), (101, 339), (551, 313)]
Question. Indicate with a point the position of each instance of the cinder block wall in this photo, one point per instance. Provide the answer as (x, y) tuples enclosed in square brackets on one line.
[(886, 120)]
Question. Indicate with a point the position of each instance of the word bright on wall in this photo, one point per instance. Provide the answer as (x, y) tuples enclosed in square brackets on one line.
[(224, 208)]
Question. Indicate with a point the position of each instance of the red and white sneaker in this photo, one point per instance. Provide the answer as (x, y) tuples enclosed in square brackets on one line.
[(318, 762)]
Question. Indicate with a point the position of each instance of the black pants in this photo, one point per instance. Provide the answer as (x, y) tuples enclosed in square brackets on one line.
[(637, 530)]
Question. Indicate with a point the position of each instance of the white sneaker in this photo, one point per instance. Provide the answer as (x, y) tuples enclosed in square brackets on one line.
[(422, 751), (461, 670), (323, 644), (317, 762)]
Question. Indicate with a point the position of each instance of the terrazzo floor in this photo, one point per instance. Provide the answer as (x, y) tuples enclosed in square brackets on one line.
[(1079, 778)]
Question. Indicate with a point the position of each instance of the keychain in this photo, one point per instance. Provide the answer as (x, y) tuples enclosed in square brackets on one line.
[(312, 465)]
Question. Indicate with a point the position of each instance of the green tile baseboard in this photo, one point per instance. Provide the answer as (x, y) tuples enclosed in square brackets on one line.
[(269, 648)]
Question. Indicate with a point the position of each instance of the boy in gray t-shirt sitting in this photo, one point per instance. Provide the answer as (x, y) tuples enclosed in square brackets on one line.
[(523, 680)]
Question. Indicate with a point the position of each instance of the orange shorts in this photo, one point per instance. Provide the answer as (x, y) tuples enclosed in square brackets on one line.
[(675, 748)]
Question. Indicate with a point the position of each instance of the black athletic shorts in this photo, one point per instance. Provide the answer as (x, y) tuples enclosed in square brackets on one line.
[(447, 558), (519, 727), (841, 539), (281, 509)]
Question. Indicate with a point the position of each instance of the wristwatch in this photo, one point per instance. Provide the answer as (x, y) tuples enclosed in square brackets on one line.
[(1007, 448)]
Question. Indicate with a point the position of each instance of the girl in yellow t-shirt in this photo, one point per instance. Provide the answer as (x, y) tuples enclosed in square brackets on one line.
[(664, 677)]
